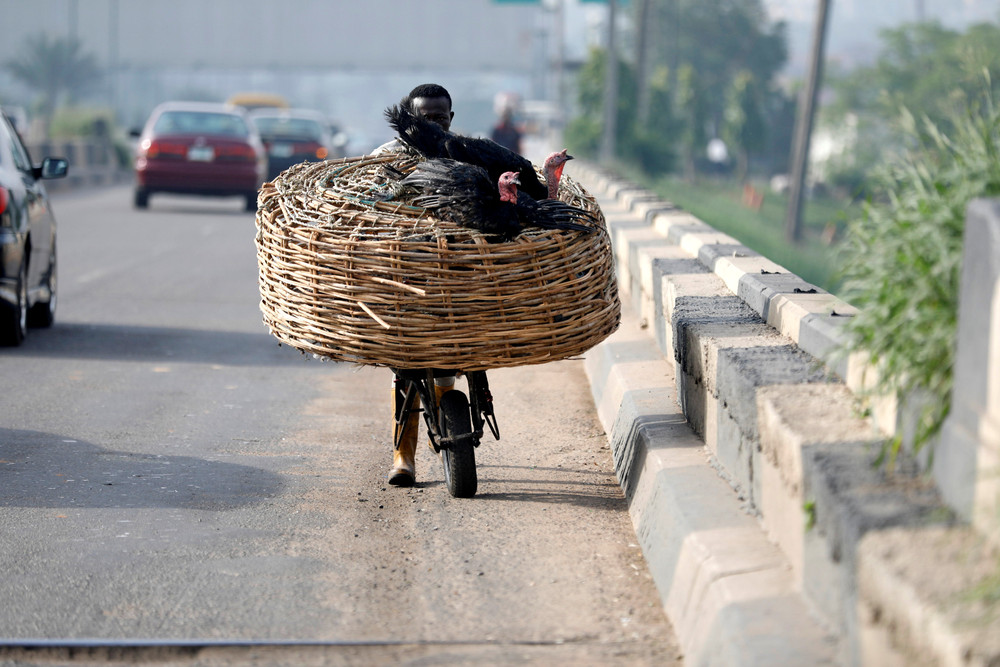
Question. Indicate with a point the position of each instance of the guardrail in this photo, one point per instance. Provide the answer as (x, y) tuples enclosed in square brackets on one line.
[(751, 478), (91, 162)]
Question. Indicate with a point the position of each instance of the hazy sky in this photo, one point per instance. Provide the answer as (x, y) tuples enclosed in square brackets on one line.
[(350, 58)]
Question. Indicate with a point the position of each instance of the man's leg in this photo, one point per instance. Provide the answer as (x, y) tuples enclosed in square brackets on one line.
[(441, 385), (403, 472)]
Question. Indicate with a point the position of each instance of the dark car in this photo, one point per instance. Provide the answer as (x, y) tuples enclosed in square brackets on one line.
[(27, 239), (199, 148), (292, 136)]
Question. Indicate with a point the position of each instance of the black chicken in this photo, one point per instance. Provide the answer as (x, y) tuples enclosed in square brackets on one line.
[(432, 141), (466, 195)]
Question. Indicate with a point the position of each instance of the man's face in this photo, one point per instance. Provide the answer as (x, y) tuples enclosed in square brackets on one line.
[(435, 109)]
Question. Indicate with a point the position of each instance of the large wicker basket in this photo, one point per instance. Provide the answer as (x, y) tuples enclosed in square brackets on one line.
[(349, 277)]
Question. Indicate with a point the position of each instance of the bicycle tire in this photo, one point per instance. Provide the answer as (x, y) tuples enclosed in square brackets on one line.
[(459, 457)]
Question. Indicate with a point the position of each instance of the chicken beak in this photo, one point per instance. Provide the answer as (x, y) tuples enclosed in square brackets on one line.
[(569, 157), (516, 181)]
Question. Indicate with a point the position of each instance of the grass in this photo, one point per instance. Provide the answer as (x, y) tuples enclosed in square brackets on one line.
[(719, 204)]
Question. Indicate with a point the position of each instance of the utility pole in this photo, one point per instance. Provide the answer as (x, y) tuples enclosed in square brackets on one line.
[(642, 62), (607, 152), (113, 39), (74, 21), (560, 28), (804, 125)]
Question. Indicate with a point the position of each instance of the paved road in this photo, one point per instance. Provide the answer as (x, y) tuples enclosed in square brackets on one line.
[(171, 476)]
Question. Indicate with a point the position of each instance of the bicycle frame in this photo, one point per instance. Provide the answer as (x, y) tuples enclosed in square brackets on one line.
[(411, 384)]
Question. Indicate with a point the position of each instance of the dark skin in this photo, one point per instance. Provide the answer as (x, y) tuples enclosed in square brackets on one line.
[(435, 109)]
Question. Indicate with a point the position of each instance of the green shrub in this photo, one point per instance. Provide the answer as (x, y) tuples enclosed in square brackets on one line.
[(650, 151), (902, 257), (583, 136), (78, 122)]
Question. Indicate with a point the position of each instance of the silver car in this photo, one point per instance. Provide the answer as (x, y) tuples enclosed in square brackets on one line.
[(27, 238)]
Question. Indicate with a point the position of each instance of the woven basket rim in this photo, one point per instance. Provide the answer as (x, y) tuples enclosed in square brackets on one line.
[(348, 277)]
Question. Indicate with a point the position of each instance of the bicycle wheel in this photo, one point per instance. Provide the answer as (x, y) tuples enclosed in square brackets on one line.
[(459, 456)]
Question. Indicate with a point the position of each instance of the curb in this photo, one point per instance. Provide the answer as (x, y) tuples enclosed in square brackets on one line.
[(772, 537), (727, 590)]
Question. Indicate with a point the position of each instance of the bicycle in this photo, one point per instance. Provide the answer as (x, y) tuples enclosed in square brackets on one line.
[(455, 425)]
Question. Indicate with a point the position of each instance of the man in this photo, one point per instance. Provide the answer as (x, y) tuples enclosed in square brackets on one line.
[(433, 103), (430, 101), (506, 133)]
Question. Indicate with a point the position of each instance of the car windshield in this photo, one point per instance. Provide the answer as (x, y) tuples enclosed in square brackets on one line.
[(200, 122), (277, 126)]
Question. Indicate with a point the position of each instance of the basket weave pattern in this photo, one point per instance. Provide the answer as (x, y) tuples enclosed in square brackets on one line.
[(350, 278)]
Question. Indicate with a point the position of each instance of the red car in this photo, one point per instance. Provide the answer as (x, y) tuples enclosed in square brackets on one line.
[(292, 136), (199, 148)]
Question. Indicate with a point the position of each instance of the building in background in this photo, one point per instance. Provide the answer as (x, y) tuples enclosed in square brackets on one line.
[(346, 58), (351, 59)]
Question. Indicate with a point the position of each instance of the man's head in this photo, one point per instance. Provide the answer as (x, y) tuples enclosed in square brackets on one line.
[(432, 102)]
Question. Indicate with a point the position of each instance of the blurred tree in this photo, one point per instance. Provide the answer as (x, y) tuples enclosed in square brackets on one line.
[(932, 71), (585, 131), (648, 145), (744, 129), (690, 103), (651, 143), (673, 98), (718, 39), (57, 69)]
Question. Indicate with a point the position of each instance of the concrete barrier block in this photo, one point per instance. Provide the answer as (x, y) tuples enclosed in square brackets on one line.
[(725, 588), (665, 271), (722, 253), (704, 319), (706, 245), (921, 598), (786, 312), (735, 453), (849, 497), (740, 371), (629, 199), (628, 349), (697, 302), (619, 190), (759, 290), (683, 279), (646, 209), (652, 262), (862, 379), (791, 419), (617, 218), (705, 330), (625, 242), (822, 335), (733, 268), (676, 224)]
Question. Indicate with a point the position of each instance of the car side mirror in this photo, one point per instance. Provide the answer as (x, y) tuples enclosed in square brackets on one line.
[(52, 167)]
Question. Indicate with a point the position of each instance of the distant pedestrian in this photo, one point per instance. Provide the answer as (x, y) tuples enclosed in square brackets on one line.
[(506, 133)]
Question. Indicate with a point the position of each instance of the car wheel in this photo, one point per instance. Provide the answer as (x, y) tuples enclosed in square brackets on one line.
[(251, 202), (43, 313), (14, 319), (141, 199)]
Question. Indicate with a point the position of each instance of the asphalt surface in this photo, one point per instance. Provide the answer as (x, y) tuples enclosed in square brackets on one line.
[(177, 488)]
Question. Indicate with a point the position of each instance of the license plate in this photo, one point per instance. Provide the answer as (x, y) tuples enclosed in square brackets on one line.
[(281, 150), (201, 154)]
